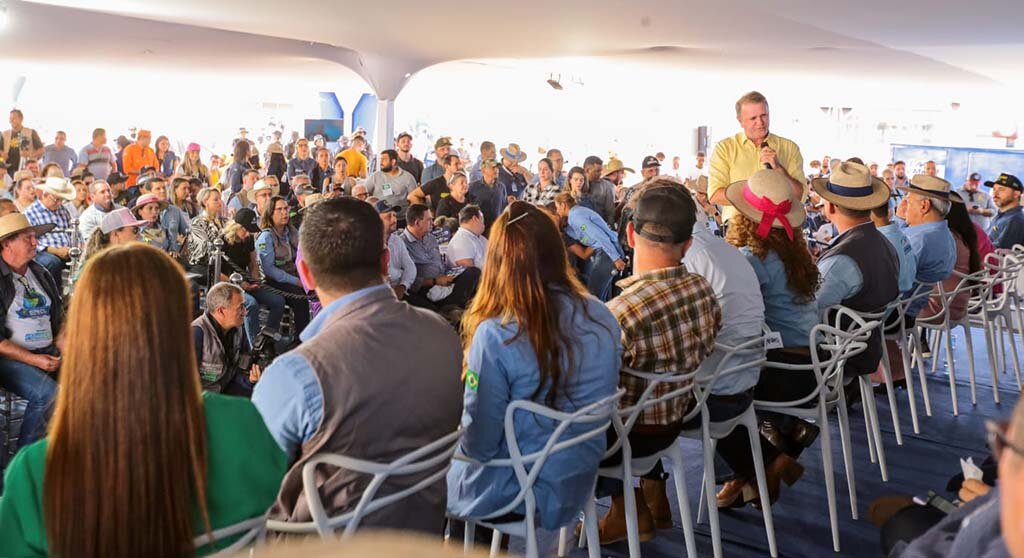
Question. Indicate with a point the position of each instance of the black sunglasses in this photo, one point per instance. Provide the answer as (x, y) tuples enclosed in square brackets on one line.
[(997, 439)]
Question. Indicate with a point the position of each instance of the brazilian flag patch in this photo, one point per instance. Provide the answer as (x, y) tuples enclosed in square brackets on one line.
[(472, 379)]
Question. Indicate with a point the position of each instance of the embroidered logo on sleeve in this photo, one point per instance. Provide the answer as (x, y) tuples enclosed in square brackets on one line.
[(472, 379)]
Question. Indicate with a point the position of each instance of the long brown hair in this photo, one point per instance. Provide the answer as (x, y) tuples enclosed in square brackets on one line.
[(526, 268), (126, 463), (801, 273)]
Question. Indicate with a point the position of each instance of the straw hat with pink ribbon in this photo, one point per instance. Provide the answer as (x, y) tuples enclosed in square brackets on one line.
[(767, 199)]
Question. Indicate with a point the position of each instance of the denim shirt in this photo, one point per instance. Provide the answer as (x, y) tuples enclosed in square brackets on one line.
[(175, 222), (782, 313), (935, 251), (270, 262), (505, 366), (905, 253), (589, 229)]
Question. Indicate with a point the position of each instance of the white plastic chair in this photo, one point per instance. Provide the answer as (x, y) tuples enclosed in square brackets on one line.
[(973, 286), (910, 349), (749, 354), (997, 312), (434, 458), (254, 530), (596, 417), (623, 422), (828, 395)]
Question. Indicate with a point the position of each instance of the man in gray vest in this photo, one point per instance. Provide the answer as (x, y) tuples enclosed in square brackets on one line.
[(374, 378), (220, 341), (861, 269)]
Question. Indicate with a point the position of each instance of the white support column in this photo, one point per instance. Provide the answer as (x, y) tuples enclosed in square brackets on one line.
[(384, 138)]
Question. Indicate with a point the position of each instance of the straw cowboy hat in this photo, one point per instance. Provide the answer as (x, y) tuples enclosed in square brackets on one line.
[(513, 152), (930, 186), (14, 223), (767, 198), (851, 186), (614, 165), (58, 187)]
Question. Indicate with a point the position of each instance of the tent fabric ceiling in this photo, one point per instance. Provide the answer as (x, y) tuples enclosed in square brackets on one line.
[(386, 42)]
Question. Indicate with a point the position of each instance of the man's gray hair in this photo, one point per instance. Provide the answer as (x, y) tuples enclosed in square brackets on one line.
[(942, 206), (220, 295), (95, 186)]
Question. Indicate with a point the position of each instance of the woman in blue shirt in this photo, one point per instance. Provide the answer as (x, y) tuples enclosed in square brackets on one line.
[(767, 230), (539, 337), (147, 208), (589, 229), (276, 247)]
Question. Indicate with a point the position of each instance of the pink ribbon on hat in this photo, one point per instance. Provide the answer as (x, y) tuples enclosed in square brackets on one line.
[(772, 211)]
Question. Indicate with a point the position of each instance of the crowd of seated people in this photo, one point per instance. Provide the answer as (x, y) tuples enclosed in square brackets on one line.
[(145, 342)]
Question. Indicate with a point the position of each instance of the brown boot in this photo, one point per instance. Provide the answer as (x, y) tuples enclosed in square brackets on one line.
[(729, 495), (657, 502), (612, 527), (783, 469)]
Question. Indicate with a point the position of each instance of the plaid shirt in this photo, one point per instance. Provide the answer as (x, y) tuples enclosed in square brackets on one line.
[(536, 196), (669, 319), (37, 214)]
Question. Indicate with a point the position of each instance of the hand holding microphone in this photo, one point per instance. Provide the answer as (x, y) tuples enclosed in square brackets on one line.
[(768, 156)]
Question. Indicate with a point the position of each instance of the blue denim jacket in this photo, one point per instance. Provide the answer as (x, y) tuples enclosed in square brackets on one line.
[(175, 222)]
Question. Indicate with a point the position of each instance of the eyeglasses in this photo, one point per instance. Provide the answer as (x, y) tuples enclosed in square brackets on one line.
[(362, 195), (997, 439)]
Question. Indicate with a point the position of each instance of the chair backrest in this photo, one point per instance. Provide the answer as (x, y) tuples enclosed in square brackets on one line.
[(434, 458), (251, 530), (595, 419), (626, 417), (1006, 267), (735, 359), (840, 344)]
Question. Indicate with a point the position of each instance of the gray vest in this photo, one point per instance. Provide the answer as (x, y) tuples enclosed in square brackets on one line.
[(216, 369), (390, 376), (879, 270)]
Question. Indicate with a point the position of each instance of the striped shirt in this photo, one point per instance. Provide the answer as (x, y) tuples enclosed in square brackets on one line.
[(669, 319)]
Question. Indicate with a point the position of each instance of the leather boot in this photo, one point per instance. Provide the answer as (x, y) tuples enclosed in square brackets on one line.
[(657, 501), (783, 469), (612, 527), (729, 495)]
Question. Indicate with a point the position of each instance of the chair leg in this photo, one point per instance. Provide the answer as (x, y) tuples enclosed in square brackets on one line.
[(1008, 320), (891, 392), (829, 473), (969, 344), (675, 454), (908, 376), (875, 432), (496, 544), (951, 371), (864, 394), (916, 343), (629, 495), (709, 489), (990, 344), (563, 541), (936, 343), (844, 439), (590, 529), (750, 422), (468, 536)]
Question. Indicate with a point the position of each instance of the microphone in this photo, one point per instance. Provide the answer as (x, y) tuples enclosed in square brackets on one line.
[(764, 144)]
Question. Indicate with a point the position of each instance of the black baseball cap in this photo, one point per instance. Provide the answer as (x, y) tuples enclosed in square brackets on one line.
[(1008, 181), (247, 218), (382, 206), (403, 135), (974, 176), (650, 162), (116, 178), (665, 214)]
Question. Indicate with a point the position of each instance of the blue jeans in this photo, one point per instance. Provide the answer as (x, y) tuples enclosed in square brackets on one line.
[(38, 387), (53, 264), (601, 275), (274, 303)]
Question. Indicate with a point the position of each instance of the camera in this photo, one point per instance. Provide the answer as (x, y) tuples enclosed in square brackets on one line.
[(263, 352)]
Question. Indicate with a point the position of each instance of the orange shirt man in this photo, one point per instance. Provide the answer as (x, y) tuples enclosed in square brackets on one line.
[(138, 155)]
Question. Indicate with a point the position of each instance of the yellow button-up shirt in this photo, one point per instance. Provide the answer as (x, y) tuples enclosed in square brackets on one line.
[(737, 158)]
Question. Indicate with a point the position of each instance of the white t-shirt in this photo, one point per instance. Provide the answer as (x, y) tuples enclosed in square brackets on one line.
[(466, 245), (28, 317)]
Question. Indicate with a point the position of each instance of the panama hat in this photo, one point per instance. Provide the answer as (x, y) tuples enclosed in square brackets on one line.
[(513, 152), (930, 186), (767, 198), (614, 165), (851, 186), (14, 223), (700, 185), (57, 186)]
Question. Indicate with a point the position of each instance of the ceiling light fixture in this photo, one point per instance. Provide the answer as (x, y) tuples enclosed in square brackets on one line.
[(555, 82)]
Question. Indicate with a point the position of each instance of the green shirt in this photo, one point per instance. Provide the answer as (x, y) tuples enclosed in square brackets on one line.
[(244, 471)]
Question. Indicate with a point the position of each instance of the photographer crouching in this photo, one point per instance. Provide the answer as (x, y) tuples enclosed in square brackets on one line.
[(227, 364)]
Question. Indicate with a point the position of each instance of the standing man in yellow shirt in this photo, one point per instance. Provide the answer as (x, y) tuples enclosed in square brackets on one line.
[(738, 157), (357, 163)]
